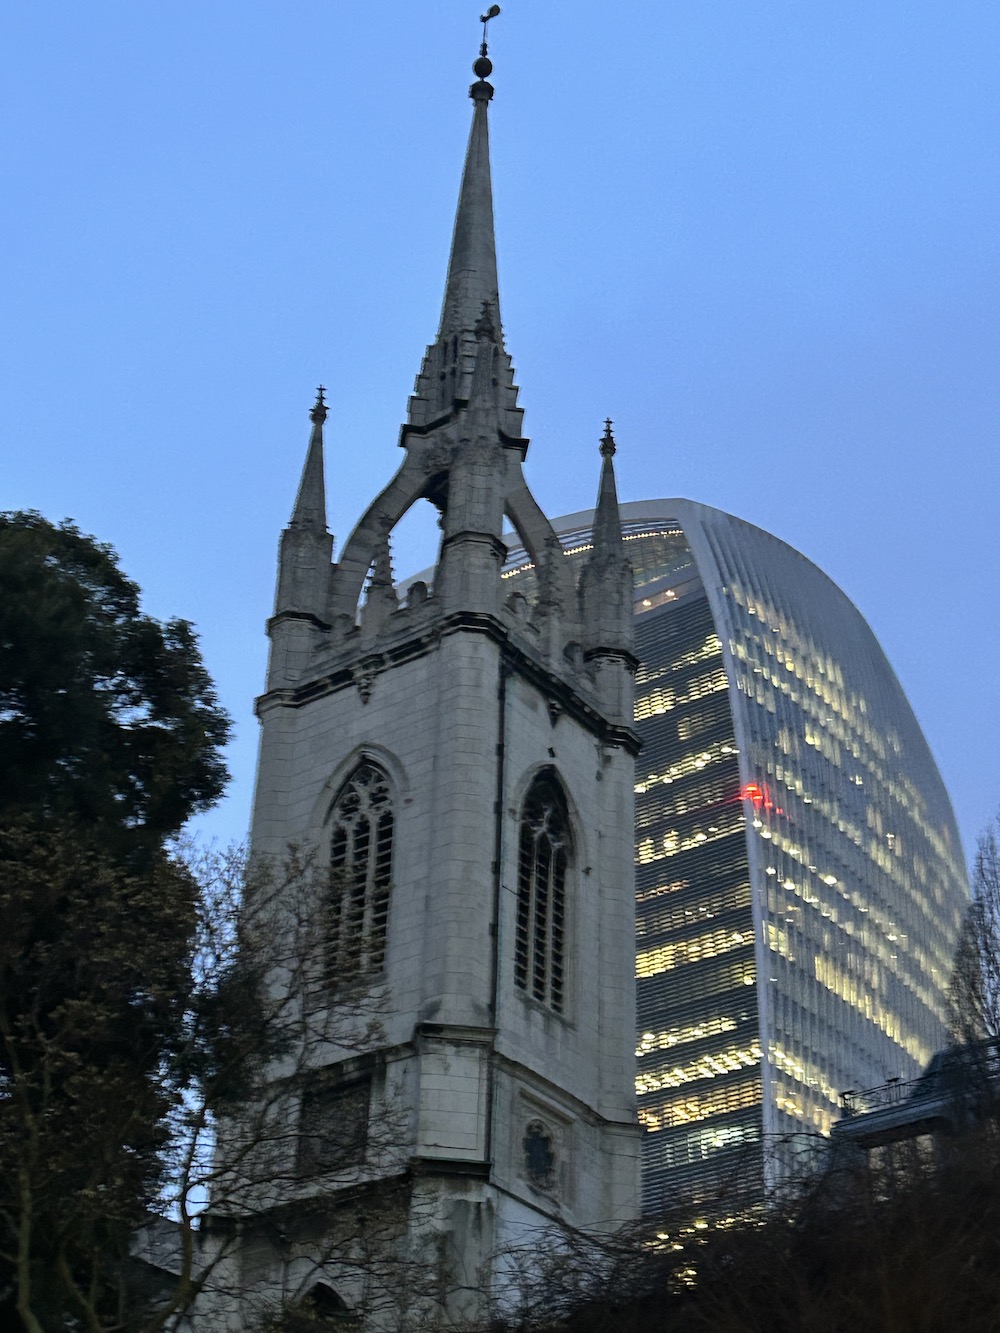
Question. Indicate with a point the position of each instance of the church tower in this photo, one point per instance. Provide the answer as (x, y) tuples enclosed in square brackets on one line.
[(458, 765)]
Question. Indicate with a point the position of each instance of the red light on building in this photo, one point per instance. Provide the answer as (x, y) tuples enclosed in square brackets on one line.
[(757, 795)]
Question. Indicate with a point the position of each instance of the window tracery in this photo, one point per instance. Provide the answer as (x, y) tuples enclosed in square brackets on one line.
[(544, 855), (361, 839)]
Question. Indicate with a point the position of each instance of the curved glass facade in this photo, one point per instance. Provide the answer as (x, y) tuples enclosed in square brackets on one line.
[(799, 874)]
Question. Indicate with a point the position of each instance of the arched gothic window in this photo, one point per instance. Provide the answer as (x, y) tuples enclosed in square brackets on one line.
[(360, 874), (544, 854), (325, 1306)]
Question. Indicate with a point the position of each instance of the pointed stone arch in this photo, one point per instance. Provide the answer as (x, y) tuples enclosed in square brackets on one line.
[(539, 539), (327, 1307), (410, 484), (546, 858)]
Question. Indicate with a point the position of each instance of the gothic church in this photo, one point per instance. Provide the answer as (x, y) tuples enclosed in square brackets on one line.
[(460, 763)]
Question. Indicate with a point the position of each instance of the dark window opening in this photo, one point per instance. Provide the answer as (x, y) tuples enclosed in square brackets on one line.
[(333, 1127), (544, 852), (539, 1157), (321, 1307)]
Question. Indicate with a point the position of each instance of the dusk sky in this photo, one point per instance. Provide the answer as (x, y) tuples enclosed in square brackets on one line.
[(764, 237)]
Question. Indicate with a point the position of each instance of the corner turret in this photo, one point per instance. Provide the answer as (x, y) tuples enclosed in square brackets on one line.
[(606, 594), (304, 555)]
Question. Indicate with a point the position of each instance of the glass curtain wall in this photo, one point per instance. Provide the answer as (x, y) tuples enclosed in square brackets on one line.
[(799, 876)]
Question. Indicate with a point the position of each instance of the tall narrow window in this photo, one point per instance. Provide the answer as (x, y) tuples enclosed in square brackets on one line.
[(544, 855), (360, 874)]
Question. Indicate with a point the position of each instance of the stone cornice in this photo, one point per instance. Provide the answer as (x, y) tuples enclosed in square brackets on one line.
[(516, 659), (517, 443), (281, 616)]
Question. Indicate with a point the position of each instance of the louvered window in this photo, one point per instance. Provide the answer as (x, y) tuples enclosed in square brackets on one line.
[(360, 875), (544, 857)]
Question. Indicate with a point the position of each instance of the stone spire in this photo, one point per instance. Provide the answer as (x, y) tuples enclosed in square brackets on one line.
[(309, 511), (306, 546), (462, 436), (380, 595), (607, 522), (444, 382), (606, 584), (472, 268)]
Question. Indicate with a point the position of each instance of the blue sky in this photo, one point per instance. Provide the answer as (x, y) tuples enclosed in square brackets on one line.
[(763, 237)]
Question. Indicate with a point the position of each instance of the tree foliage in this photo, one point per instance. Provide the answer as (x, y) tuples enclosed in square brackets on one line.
[(94, 976), (110, 737), (906, 1242), (107, 717)]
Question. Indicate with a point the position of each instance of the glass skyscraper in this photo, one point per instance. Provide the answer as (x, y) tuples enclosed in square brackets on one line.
[(799, 874)]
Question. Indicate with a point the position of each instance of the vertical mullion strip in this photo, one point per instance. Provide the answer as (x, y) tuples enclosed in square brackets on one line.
[(540, 929), (522, 932), (557, 935), (380, 887), (359, 887)]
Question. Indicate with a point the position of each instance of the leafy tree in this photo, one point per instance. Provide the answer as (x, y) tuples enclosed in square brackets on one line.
[(95, 977), (110, 737), (108, 718)]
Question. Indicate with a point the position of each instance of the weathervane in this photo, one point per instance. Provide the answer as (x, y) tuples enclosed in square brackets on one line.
[(484, 19)]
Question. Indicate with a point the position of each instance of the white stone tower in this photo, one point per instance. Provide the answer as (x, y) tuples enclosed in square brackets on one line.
[(460, 765)]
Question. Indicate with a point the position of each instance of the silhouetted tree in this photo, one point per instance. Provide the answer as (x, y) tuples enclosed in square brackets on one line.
[(974, 994), (110, 738), (910, 1245)]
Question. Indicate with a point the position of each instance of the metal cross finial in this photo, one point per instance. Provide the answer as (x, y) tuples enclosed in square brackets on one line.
[(318, 413), (608, 440), (484, 19)]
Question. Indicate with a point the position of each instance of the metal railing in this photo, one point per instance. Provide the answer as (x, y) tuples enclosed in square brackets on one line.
[(959, 1071), (889, 1093)]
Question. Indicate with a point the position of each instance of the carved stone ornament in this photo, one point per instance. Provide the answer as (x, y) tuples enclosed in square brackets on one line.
[(438, 456), (364, 676), (548, 585)]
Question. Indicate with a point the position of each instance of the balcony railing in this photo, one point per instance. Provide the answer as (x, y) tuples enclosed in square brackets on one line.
[(959, 1071)]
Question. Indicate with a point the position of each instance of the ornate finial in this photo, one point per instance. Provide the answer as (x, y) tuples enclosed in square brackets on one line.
[(381, 567), (607, 440), (483, 67), (485, 328), (318, 412)]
